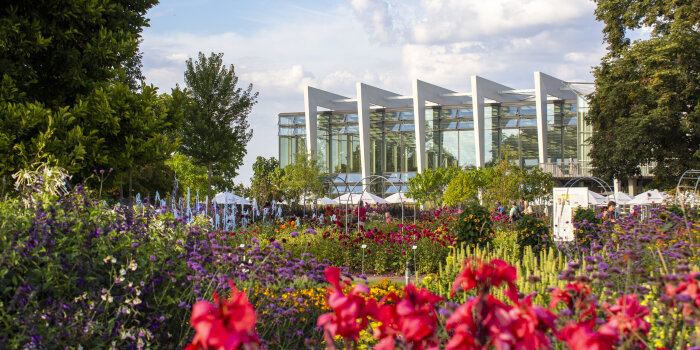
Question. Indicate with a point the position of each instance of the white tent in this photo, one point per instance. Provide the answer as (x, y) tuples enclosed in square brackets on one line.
[(229, 198), (596, 199), (622, 198), (366, 197), (326, 201), (648, 197), (399, 198)]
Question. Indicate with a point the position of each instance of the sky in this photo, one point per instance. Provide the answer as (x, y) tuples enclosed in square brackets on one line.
[(282, 46)]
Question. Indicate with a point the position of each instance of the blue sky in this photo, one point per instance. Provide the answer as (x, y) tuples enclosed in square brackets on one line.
[(282, 46)]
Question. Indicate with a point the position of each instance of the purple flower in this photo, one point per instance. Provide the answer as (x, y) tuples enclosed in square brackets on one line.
[(152, 258), (311, 231), (134, 245), (294, 234)]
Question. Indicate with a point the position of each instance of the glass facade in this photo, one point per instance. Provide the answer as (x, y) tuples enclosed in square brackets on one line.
[(292, 137), (510, 132)]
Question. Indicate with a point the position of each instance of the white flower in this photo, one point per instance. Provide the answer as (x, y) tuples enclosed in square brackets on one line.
[(133, 266), (122, 272)]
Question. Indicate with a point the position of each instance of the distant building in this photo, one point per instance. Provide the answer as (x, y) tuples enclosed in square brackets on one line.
[(383, 133)]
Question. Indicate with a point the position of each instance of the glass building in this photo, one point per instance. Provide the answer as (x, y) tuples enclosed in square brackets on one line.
[(383, 133)]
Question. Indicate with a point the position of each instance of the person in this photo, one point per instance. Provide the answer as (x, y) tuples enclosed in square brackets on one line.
[(361, 214), (388, 217), (514, 213), (521, 206), (528, 209), (610, 213), (500, 210)]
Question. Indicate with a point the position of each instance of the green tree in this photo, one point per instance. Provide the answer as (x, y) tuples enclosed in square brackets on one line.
[(55, 51), (266, 179), (299, 175), (645, 106), (466, 185), (188, 174), (215, 129), (429, 185)]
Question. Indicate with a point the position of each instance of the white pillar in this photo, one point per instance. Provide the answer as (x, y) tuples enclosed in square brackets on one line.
[(419, 120), (363, 119), (478, 115), (541, 105), (311, 114)]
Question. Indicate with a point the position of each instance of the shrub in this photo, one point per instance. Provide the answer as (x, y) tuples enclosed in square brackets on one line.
[(585, 226), (474, 226), (532, 233)]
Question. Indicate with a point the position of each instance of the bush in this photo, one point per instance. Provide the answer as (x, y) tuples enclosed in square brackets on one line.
[(474, 226), (585, 226), (533, 233)]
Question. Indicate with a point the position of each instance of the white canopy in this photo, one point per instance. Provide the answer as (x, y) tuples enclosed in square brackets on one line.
[(366, 197), (622, 198), (648, 197), (399, 198), (326, 201), (229, 198), (596, 199)]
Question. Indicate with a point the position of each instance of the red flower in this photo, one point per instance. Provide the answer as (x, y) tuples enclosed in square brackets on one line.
[(487, 275), (627, 315), (350, 312), (227, 324), (689, 291), (413, 316), (582, 337)]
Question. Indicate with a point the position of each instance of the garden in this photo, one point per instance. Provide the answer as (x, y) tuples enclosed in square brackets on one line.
[(79, 273)]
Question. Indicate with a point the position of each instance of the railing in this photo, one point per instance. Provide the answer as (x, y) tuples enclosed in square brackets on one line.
[(581, 169), (567, 170)]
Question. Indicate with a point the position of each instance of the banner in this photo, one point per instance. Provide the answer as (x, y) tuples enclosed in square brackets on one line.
[(566, 201)]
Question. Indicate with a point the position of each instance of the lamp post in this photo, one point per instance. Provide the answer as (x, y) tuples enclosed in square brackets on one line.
[(363, 258), (415, 266)]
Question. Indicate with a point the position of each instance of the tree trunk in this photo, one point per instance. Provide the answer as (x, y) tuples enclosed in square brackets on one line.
[(209, 172)]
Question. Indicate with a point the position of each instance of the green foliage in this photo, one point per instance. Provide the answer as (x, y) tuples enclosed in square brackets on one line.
[(465, 186), (266, 183), (215, 130), (646, 104), (474, 226), (533, 233), (112, 127), (429, 185), (299, 175), (506, 182), (585, 222), (536, 272), (56, 51), (188, 174)]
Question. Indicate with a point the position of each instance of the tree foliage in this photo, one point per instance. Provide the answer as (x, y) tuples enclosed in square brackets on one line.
[(266, 183), (215, 130), (429, 185), (55, 51), (645, 107), (299, 175), (503, 182)]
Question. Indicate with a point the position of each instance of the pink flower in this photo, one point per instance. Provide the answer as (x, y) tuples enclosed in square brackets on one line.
[(413, 317), (227, 324), (582, 337), (487, 275), (627, 315), (350, 312)]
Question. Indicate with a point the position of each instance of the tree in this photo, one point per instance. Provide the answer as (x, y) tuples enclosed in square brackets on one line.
[(265, 183), (215, 129), (188, 174), (646, 105), (55, 51), (466, 185), (429, 185), (299, 175)]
